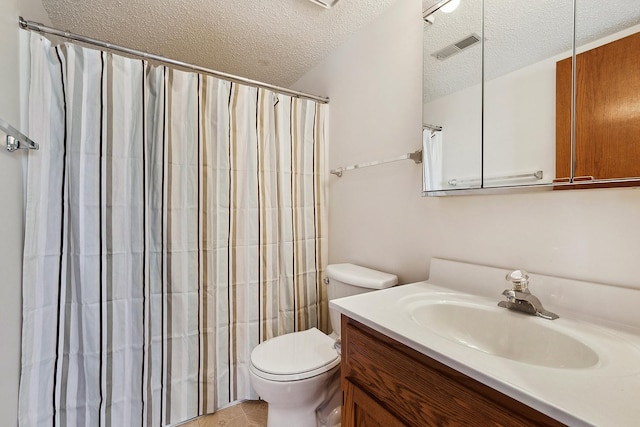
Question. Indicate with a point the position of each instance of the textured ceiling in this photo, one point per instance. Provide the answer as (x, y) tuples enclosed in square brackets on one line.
[(274, 41), (517, 33)]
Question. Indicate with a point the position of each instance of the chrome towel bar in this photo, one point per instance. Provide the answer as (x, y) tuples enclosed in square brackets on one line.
[(532, 175), (16, 139), (416, 156)]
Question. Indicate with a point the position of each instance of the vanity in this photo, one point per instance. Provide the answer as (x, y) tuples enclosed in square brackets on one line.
[(415, 389), (442, 352)]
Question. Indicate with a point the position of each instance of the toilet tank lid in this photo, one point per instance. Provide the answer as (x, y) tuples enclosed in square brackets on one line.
[(363, 277)]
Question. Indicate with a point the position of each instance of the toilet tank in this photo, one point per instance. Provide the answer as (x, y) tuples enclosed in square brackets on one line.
[(349, 279)]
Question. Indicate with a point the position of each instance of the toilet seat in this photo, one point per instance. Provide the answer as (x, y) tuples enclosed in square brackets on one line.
[(294, 356)]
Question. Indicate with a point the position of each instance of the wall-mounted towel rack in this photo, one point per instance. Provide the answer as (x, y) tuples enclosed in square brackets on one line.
[(16, 139), (416, 156), (434, 128), (533, 175)]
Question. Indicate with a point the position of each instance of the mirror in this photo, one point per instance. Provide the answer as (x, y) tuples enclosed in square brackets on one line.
[(452, 97), (524, 40), (506, 116)]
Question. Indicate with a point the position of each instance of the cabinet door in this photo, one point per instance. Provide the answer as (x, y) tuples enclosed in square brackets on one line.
[(607, 144), (360, 410)]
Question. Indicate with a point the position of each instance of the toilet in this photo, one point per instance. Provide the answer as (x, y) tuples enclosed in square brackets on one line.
[(298, 374)]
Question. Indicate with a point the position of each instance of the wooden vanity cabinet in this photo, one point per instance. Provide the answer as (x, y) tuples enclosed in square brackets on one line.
[(388, 384)]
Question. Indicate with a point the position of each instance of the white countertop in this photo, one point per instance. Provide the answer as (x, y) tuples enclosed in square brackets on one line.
[(606, 394)]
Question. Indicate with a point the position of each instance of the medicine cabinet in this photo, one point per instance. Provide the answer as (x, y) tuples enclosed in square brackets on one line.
[(535, 95)]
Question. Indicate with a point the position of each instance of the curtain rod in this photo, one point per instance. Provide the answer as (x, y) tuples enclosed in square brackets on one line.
[(35, 26)]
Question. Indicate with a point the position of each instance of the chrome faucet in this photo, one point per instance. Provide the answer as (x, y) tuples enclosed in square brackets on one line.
[(520, 299)]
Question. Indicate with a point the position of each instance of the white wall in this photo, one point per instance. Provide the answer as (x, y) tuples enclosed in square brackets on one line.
[(11, 200), (377, 217)]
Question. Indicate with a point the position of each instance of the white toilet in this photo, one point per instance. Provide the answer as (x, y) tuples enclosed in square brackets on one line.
[(298, 373)]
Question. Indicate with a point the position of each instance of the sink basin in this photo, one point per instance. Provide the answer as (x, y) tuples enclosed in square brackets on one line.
[(503, 333)]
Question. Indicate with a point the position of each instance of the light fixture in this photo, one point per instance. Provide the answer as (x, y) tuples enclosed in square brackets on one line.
[(327, 4), (451, 6), (447, 6)]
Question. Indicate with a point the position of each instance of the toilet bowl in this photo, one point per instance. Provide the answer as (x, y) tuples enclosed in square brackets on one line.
[(294, 373), (299, 372)]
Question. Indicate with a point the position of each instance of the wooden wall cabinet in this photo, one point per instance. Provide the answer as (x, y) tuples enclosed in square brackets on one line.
[(388, 384), (607, 116)]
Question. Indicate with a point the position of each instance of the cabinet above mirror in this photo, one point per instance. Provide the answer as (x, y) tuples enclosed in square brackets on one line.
[(498, 99)]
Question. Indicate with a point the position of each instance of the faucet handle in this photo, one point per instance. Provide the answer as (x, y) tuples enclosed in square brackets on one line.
[(519, 280)]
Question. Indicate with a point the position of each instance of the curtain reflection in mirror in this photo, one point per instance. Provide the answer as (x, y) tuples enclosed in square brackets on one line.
[(432, 157)]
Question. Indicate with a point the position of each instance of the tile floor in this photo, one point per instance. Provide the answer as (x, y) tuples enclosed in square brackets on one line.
[(252, 413)]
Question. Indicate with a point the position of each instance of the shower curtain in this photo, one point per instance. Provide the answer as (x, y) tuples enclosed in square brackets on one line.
[(173, 222), (432, 165)]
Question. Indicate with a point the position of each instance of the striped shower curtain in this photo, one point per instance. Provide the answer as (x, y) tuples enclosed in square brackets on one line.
[(173, 222)]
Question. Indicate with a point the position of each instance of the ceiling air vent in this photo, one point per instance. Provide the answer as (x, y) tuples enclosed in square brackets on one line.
[(457, 47)]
